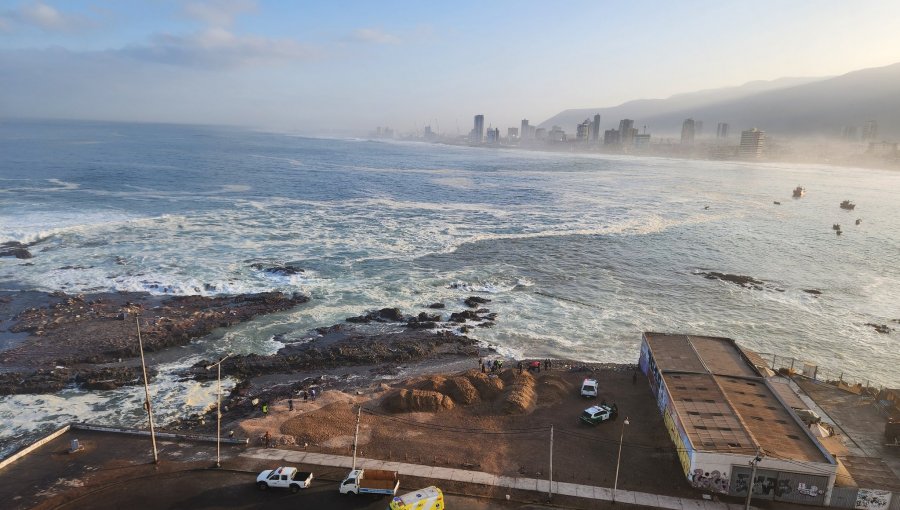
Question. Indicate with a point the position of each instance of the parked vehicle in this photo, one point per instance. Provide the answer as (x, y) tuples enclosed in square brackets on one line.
[(892, 431), (285, 478), (429, 498), (371, 481), (589, 388), (597, 414)]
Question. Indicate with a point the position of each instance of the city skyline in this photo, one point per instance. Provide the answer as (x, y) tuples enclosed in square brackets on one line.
[(322, 68)]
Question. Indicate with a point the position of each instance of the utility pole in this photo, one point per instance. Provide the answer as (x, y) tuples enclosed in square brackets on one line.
[(147, 404), (759, 457), (218, 365), (550, 487), (356, 436), (619, 460)]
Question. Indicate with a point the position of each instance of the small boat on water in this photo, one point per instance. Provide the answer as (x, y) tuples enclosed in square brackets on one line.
[(776, 202), (836, 226), (858, 221), (799, 191), (848, 205)]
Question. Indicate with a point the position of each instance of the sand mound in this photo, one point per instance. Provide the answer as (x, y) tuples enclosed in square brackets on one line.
[(417, 400), (431, 383), (488, 387), (520, 396), (461, 390)]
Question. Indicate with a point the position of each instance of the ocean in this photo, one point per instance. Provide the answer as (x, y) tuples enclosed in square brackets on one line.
[(579, 253)]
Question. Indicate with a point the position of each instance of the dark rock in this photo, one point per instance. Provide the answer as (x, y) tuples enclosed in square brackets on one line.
[(285, 270), (474, 301), (336, 328), (814, 292), (748, 282), (383, 315), (881, 328), (464, 316), (437, 306), (15, 249)]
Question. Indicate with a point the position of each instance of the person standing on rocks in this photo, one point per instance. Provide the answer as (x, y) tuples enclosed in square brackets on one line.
[(290, 404), (265, 408), (267, 439)]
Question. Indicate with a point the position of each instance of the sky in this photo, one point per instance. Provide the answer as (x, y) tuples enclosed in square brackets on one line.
[(347, 67)]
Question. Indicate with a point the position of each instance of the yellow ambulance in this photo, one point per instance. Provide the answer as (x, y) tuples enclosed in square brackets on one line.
[(429, 498)]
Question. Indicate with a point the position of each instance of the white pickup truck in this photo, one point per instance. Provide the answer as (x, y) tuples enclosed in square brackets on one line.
[(589, 388), (285, 478), (371, 481)]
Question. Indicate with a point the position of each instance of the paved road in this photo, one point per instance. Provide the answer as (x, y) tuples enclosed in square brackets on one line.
[(227, 489)]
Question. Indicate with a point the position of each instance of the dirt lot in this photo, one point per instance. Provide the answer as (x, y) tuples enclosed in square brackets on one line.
[(491, 434)]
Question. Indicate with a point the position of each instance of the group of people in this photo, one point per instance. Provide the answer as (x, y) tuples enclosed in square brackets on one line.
[(496, 365)]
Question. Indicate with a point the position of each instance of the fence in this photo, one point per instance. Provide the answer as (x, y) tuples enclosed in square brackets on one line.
[(860, 385)]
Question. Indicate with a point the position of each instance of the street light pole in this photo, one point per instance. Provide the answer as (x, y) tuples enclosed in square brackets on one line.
[(550, 489), (149, 407), (759, 457), (356, 436), (619, 460), (218, 366)]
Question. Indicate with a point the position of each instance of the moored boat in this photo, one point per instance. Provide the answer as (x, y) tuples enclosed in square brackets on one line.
[(799, 191)]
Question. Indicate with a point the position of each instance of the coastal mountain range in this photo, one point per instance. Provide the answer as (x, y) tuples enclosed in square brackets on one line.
[(789, 107)]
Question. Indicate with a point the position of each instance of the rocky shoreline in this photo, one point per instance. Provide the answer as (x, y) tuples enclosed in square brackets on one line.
[(91, 341)]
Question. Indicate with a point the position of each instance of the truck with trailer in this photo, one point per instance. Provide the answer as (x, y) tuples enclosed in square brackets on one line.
[(429, 498), (371, 481), (285, 478)]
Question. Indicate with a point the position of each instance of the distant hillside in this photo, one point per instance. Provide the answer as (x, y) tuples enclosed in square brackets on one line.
[(788, 107)]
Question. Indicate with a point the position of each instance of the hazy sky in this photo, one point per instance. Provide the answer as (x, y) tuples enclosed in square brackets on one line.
[(346, 67)]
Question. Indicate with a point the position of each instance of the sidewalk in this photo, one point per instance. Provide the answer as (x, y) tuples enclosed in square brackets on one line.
[(478, 477)]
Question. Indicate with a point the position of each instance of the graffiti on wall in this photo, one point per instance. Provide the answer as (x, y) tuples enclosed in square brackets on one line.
[(871, 499), (710, 480), (684, 455)]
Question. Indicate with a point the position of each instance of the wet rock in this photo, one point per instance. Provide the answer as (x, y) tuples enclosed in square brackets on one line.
[(437, 306), (881, 328), (15, 249), (464, 315), (814, 292), (474, 301), (285, 270), (748, 282), (383, 315)]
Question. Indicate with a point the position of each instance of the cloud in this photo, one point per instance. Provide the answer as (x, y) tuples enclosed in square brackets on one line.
[(218, 48), (374, 35), (43, 16), (218, 13)]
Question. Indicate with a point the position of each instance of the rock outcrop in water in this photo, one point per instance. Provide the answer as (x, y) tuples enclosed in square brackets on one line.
[(881, 328), (15, 249)]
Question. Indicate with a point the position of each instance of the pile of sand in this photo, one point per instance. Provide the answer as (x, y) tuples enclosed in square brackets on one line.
[(516, 390), (552, 389), (520, 396), (417, 400)]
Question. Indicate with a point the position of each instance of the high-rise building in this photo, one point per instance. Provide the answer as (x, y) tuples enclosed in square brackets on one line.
[(539, 133), (870, 131), (641, 140), (526, 131), (512, 133), (478, 130), (698, 128), (556, 134), (584, 131), (753, 143), (722, 131), (611, 137), (626, 131), (687, 132), (493, 135), (595, 128)]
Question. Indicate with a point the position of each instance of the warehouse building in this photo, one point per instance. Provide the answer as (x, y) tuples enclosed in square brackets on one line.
[(722, 414)]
